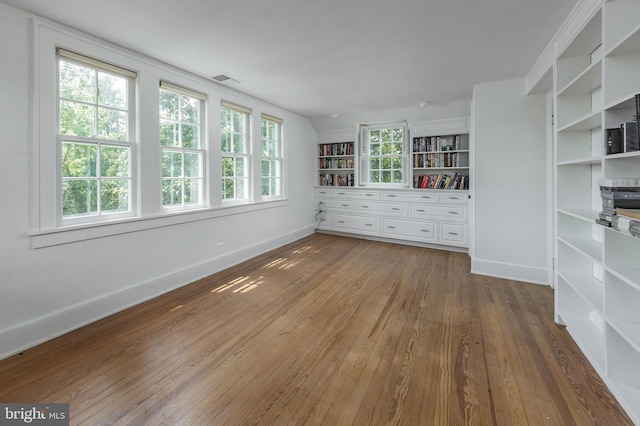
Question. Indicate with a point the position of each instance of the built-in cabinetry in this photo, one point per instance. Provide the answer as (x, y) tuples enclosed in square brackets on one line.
[(336, 164), (440, 161), (597, 274), (434, 217)]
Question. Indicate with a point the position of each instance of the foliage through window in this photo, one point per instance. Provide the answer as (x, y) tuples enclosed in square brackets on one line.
[(182, 149), (384, 153), (271, 167), (234, 124), (95, 129)]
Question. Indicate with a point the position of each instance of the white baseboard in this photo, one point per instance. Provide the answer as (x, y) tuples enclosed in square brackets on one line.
[(510, 271), (30, 333)]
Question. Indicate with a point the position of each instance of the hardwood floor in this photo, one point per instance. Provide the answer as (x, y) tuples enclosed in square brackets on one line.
[(325, 331)]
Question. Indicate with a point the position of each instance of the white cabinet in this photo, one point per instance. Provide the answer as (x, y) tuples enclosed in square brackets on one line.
[(434, 218), (597, 276)]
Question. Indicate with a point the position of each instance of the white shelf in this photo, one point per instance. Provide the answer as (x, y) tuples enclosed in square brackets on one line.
[(587, 122), (587, 81)]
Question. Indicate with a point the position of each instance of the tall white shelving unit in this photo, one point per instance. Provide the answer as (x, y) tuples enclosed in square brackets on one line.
[(597, 278)]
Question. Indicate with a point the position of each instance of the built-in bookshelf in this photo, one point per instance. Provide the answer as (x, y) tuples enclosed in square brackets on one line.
[(440, 162), (597, 275), (336, 164)]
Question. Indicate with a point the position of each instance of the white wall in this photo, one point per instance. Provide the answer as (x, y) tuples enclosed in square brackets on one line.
[(47, 291), (509, 182)]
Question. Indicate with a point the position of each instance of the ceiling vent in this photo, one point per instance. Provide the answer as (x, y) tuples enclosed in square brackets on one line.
[(221, 78)]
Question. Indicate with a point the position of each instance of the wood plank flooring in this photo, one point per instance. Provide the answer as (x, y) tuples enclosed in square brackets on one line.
[(325, 331)]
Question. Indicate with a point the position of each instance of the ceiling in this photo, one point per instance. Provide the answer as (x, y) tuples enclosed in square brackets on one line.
[(318, 57)]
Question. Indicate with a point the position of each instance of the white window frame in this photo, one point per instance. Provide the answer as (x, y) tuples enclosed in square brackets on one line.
[(245, 155), (200, 150), (96, 65), (365, 154), (277, 158)]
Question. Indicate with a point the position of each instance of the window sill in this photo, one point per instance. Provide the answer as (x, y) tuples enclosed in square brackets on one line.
[(75, 233)]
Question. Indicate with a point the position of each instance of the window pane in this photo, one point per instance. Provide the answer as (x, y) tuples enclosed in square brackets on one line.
[(397, 148), (375, 149), (169, 133), (172, 192), (225, 120), (192, 165), (171, 164), (239, 166), (238, 122), (238, 144), (397, 162), (227, 189), (397, 135), (114, 195), (112, 124), (76, 119), (79, 160), (192, 191), (386, 163), (386, 177), (112, 90), (386, 148), (374, 176), (265, 167), (190, 110), (226, 142), (114, 161), (265, 147), (385, 135), (275, 168), (227, 166), (77, 82), (241, 184), (374, 136), (169, 104), (397, 176), (79, 197), (265, 186), (374, 163), (190, 138)]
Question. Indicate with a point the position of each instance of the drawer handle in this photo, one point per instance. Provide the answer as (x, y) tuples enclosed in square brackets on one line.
[(368, 224), (425, 230), (453, 233), (421, 210), (323, 192), (365, 207), (453, 213), (391, 227), (341, 221), (428, 197), (391, 195), (369, 195), (395, 208), (454, 198), (344, 205), (341, 193)]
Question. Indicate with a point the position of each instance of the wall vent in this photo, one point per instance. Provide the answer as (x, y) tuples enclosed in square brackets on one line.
[(221, 78)]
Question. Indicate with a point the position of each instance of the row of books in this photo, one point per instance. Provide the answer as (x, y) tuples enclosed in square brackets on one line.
[(332, 149), (336, 163), (621, 206), (437, 160), (436, 143), (442, 181), (625, 138), (332, 179)]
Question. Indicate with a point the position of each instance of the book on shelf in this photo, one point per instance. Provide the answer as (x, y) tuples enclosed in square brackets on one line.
[(637, 98), (614, 143), (630, 136), (441, 181), (630, 213), (626, 225), (436, 143)]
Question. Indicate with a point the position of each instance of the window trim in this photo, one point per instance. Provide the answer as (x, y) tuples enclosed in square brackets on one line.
[(364, 154), (202, 148), (279, 157), (131, 142), (249, 196)]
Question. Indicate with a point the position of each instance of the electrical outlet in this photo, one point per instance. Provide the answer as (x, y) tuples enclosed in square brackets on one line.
[(220, 247), (321, 207)]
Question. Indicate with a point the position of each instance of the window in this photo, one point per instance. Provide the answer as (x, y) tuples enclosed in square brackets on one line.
[(181, 112), (271, 168), (95, 138), (234, 124), (384, 154)]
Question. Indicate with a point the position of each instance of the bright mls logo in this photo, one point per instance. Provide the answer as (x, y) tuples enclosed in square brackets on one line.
[(35, 414)]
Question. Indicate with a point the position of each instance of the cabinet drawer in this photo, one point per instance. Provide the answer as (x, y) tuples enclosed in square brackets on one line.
[(370, 195), (410, 230), (453, 233), (397, 208), (356, 223), (324, 192), (339, 204), (429, 197), (453, 198), (439, 211)]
